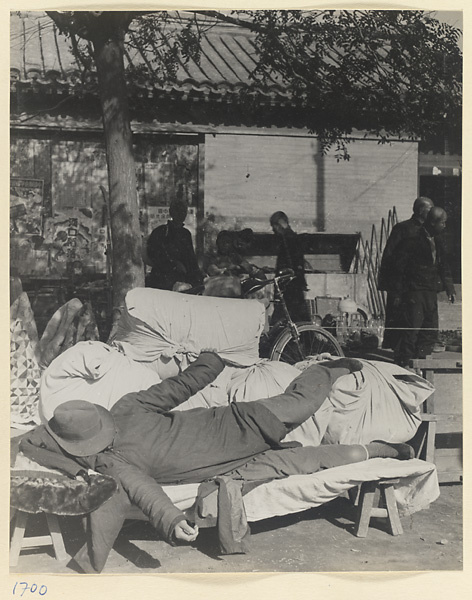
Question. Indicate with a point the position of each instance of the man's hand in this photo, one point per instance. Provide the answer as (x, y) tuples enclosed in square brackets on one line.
[(452, 298), (185, 532), (181, 286), (325, 356)]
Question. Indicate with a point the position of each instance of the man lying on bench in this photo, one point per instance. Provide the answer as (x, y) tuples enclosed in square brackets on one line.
[(144, 446)]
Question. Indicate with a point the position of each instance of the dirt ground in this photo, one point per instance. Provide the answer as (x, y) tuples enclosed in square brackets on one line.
[(317, 540)]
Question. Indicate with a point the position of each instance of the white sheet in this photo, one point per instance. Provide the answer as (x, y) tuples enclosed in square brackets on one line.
[(417, 488)]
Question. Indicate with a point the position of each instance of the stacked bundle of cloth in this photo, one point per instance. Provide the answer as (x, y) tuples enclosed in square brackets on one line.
[(226, 389)]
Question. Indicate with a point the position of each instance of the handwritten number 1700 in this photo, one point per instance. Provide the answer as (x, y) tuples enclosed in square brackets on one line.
[(21, 587)]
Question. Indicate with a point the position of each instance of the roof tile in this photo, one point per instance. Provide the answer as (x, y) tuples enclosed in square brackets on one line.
[(39, 52)]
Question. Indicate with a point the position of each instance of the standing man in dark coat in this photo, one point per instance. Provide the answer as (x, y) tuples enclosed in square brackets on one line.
[(420, 272), (170, 251), (400, 232), (290, 256)]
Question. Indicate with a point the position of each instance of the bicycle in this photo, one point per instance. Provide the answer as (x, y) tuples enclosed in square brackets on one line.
[(288, 341)]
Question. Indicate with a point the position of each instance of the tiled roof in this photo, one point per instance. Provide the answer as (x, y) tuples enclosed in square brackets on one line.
[(43, 58)]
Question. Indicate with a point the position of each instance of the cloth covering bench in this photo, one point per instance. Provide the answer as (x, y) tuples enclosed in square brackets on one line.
[(416, 486)]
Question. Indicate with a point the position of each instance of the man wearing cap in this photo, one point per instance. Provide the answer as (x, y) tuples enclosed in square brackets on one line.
[(143, 446)]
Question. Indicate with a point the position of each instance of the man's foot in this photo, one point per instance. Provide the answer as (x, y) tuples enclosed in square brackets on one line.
[(380, 449), (351, 364)]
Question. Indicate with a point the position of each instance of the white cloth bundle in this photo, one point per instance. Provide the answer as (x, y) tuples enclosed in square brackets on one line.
[(91, 371), (158, 323), (381, 402)]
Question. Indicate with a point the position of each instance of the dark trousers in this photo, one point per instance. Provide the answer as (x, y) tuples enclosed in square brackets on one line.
[(304, 396), (300, 401), (303, 460), (420, 317)]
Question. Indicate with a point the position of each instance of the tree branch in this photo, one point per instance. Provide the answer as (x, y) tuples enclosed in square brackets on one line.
[(219, 16)]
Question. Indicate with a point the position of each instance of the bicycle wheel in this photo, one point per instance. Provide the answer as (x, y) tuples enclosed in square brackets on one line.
[(313, 340)]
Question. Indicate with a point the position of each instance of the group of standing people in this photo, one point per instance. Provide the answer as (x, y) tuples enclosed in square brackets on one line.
[(414, 268), (174, 264)]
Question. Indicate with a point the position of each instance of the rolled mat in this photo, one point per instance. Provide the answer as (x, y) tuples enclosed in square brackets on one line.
[(34, 492)]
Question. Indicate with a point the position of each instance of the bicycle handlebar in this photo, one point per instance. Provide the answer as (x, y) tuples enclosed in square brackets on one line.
[(257, 284)]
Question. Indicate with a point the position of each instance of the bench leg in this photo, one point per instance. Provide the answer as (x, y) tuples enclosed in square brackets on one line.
[(394, 522), (17, 538), (56, 537), (354, 494), (366, 503), (430, 441)]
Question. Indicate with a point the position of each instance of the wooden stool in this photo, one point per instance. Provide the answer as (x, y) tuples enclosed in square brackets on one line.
[(367, 510), (19, 541)]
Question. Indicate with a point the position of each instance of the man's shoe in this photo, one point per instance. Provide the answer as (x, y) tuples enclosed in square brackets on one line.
[(399, 451), (439, 347)]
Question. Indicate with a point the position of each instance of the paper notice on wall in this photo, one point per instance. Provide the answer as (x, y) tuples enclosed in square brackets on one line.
[(26, 225), (26, 206)]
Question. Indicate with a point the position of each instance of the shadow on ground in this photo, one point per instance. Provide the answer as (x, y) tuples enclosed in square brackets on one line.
[(317, 540)]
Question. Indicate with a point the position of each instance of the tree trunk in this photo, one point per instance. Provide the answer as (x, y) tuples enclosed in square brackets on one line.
[(127, 263)]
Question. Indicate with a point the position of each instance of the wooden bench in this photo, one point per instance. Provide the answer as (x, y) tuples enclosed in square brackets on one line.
[(377, 499), (19, 541)]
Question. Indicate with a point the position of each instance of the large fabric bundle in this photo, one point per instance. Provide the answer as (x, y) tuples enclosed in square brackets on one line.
[(161, 324), (71, 323), (214, 394), (380, 402), (267, 378), (91, 371), (53, 341)]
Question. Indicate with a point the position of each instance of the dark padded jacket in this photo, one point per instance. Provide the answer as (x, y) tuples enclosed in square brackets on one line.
[(401, 231), (290, 256), (415, 269), (170, 250)]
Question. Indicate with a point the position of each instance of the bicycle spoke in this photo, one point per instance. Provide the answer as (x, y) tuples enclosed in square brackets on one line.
[(291, 353), (312, 341)]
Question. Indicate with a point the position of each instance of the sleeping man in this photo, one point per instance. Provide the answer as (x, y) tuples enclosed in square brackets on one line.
[(143, 446)]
